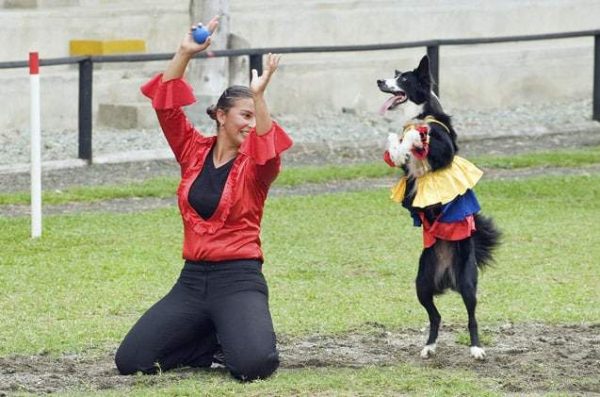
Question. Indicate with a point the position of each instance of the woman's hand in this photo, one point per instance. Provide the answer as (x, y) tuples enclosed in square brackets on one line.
[(259, 84), (189, 47)]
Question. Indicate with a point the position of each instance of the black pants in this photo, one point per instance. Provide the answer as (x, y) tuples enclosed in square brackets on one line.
[(212, 303)]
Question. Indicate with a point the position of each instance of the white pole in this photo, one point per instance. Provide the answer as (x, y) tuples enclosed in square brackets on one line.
[(36, 155)]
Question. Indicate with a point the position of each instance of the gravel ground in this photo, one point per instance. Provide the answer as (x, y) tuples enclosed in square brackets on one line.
[(347, 128), (341, 138)]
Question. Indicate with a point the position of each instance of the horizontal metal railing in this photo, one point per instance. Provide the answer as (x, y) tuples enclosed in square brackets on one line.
[(86, 66)]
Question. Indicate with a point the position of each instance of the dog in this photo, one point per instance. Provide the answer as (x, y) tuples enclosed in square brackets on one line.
[(437, 190)]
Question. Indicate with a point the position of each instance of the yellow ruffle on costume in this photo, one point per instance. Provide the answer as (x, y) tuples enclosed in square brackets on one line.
[(441, 186)]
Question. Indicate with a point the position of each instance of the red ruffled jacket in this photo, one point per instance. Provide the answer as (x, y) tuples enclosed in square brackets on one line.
[(232, 232)]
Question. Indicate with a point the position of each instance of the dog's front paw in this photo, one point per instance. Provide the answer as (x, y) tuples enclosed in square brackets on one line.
[(428, 351), (395, 149), (477, 353), (412, 138)]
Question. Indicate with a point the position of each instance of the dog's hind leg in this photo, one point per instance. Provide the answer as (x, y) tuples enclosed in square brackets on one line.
[(468, 290), (425, 293), (425, 296)]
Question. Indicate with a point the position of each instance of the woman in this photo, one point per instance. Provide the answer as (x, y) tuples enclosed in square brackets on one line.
[(220, 300)]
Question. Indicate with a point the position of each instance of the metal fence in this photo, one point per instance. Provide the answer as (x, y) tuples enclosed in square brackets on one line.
[(86, 66)]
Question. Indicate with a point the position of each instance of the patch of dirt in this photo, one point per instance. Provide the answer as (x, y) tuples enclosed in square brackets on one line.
[(521, 359)]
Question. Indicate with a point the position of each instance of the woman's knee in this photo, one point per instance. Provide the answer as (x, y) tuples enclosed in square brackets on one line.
[(256, 367), (128, 362)]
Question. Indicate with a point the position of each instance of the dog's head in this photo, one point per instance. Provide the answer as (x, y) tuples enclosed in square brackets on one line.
[(410, 90)]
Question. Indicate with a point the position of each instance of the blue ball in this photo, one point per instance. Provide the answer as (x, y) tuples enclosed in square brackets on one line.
[(200, 34)]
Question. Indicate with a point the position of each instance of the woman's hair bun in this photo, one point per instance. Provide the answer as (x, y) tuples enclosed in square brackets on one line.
[(212, 112)]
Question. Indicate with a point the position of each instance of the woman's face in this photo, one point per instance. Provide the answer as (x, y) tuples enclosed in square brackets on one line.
[(237, 122)]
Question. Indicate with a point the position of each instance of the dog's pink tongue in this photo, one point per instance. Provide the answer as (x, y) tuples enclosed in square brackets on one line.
[(387, 104)]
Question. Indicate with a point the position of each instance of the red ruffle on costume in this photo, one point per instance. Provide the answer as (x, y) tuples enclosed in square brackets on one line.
[(388, 159), (168, 94), (263, 148), (454, 231)]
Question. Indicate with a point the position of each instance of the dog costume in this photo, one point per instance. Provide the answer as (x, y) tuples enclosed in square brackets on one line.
[(450, 188)]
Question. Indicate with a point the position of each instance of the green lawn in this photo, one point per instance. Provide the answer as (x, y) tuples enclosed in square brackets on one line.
[(335, 263)]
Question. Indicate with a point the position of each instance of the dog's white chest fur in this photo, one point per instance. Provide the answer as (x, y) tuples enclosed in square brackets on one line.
[(416, 167)]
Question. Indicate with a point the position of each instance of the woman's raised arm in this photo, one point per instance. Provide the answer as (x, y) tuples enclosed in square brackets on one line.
[(186, 50), (258, 85)]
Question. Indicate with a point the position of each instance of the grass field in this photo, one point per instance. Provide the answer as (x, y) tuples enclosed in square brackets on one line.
[(335, 263)]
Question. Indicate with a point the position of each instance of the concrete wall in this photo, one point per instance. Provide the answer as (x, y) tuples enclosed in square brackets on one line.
[(48, 29), (477, 76), (480, 76), (48, 25)]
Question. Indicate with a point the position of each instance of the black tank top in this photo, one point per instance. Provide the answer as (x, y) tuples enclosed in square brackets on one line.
[(207, 189)]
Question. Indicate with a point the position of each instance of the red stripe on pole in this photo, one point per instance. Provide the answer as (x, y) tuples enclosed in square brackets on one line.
[(34, 63)]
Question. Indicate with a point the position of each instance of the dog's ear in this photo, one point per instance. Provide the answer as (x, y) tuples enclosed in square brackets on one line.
[(397, 73), (423, 72)]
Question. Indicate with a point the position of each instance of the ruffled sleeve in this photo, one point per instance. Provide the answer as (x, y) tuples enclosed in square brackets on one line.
[(262, 148), (265, 150), (167, 99), (168, 94)]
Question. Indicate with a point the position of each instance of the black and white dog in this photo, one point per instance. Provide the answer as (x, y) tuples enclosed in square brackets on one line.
[(454, 247)]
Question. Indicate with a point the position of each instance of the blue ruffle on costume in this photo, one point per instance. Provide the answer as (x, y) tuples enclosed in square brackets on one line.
[(456, 210), (460, 208)]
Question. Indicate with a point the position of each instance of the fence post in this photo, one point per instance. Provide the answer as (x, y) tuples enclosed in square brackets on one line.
[(433, 52), (596, 93), (36, 156), (86, 70), (256, 62)]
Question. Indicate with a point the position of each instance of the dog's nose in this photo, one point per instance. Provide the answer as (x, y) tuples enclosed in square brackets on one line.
[(380, 82)]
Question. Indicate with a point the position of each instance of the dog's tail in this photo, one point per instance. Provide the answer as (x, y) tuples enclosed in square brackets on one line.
[(487, 239)]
